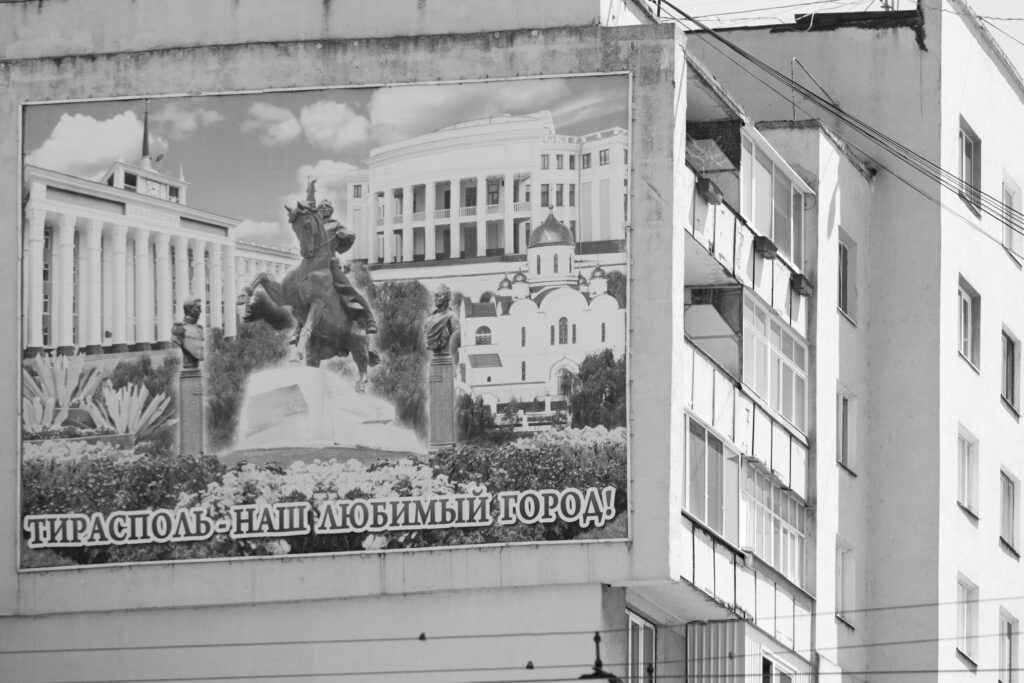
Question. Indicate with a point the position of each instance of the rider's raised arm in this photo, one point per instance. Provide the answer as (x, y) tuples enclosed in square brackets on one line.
[(311, 191)]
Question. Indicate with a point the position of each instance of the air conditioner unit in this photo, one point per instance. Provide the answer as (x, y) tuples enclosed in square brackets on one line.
[(801, 285), (765, 247)]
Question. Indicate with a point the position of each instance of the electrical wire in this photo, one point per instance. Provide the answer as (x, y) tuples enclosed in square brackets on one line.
[(768, 9), (979, 200)]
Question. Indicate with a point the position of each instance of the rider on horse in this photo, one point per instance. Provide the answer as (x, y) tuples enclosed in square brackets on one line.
[(341, 240)]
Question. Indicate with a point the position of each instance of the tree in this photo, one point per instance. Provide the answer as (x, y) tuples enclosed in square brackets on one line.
[(617, 287), (473, 419), (401, 308), (228, 365), (598, 392), (158, 379)]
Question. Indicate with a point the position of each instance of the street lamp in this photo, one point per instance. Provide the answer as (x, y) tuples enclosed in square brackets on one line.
[(598, 673)]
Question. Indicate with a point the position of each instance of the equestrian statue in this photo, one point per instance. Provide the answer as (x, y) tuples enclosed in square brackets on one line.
[(330, 316)]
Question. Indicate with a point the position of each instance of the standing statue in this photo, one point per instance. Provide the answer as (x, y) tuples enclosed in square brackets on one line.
[(331, 317), (188, 335)]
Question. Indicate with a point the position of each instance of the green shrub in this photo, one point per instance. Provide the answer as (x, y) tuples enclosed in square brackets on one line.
[(597, 395)]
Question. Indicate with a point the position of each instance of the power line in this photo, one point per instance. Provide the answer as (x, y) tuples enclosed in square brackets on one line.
[(768, 9), (981, 201)]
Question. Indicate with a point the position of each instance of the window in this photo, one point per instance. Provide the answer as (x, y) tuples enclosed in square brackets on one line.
[(1007, 648), (173, 194), (603, 332), (492, 194), (572, 228), (1008, 510), (554, 262), (572, 194), (483, 335), (775, 524), (712, 487), (522, 371), (563, 331), (564, 381), (775, 363), (1013, 221), (844, 424), (538, 264), (966, 616), (602, 157), (545, 195), (559, 161), (46, 304), (558, 194), (772, 202), (640, 652), (380, 247), (970, 323), (970, 166), (625, 156), (967, 471), (574, 333), (357, 191), (844, 581), (545, 161), (522, 336), (572, 162), (1011, 363), (847, 274), (585, 160), (131, 181), (46, 271), (552, 335)]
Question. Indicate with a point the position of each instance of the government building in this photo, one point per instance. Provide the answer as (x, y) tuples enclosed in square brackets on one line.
[(108, 265)]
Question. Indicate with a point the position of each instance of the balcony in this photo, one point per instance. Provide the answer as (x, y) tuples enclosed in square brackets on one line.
[(397, 218), (442, 214), (467, 211), (418, 216), (521, 207), (494, 209)]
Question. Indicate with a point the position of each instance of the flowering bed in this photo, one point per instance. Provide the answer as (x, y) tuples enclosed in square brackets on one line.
[(63, 477)]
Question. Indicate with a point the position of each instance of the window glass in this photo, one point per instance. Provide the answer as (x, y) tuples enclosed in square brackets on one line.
[(782, 227), (763, 193)]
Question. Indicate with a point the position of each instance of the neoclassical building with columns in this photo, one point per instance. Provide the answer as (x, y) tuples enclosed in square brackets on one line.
[(472, 190), (107, 265)]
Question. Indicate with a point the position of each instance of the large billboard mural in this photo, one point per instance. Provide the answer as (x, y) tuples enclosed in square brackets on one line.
[(322, 321)]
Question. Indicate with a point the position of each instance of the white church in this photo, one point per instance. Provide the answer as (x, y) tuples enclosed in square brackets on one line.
[(522, 345)]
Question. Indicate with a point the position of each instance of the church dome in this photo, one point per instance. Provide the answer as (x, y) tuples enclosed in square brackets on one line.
[(551, 232), (598, 272), (581, 280), (520, 276), (505, 283)]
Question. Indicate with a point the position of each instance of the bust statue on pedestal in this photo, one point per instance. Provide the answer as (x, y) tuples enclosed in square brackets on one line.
[(438, 329), (189, 337)]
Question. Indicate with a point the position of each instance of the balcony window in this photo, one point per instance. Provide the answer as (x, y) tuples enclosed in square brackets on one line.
[(572, 193), (774, 363), (712, 486), (559, 191), (775, 524), (772, 203), (545, 195), (492, 194)]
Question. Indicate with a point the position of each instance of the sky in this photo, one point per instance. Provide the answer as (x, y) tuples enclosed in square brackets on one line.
[(1009, 34), (247, 155)]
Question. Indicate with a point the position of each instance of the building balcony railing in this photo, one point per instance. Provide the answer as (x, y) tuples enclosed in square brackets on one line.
[(440, 214), (467, 211), (521, 207), (397, 218), (494, 208), (380, 221), (418, 216)]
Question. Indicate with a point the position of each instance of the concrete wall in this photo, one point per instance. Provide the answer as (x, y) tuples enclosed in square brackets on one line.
[(46, 28), (976, 86)]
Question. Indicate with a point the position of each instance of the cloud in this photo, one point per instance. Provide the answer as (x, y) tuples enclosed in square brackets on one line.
[(270, 233), (181, 121), (333, 126), (403, 111), (274, 125), (332, 178), (594, 105), (83, 146)]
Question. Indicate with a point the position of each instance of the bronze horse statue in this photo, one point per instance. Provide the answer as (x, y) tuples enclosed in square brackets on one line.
[(326, 328)]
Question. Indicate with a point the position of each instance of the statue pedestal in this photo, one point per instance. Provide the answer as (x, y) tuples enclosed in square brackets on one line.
[(190, 411), (441, 402)]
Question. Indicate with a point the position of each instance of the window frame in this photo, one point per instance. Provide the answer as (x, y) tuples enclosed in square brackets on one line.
[(1008, 639), (847, 275), (967, 471), (770, 510), (545, 162), (845, 581), (1013, 224), (719, 485), (1009, 510), (969, 153), (603, 157), (762, 209), (483, 336), (642, 640), (966, 617), (585, 161), (969, 324), (559, 161), (845, 423), (1009, 385), (765, 366)]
